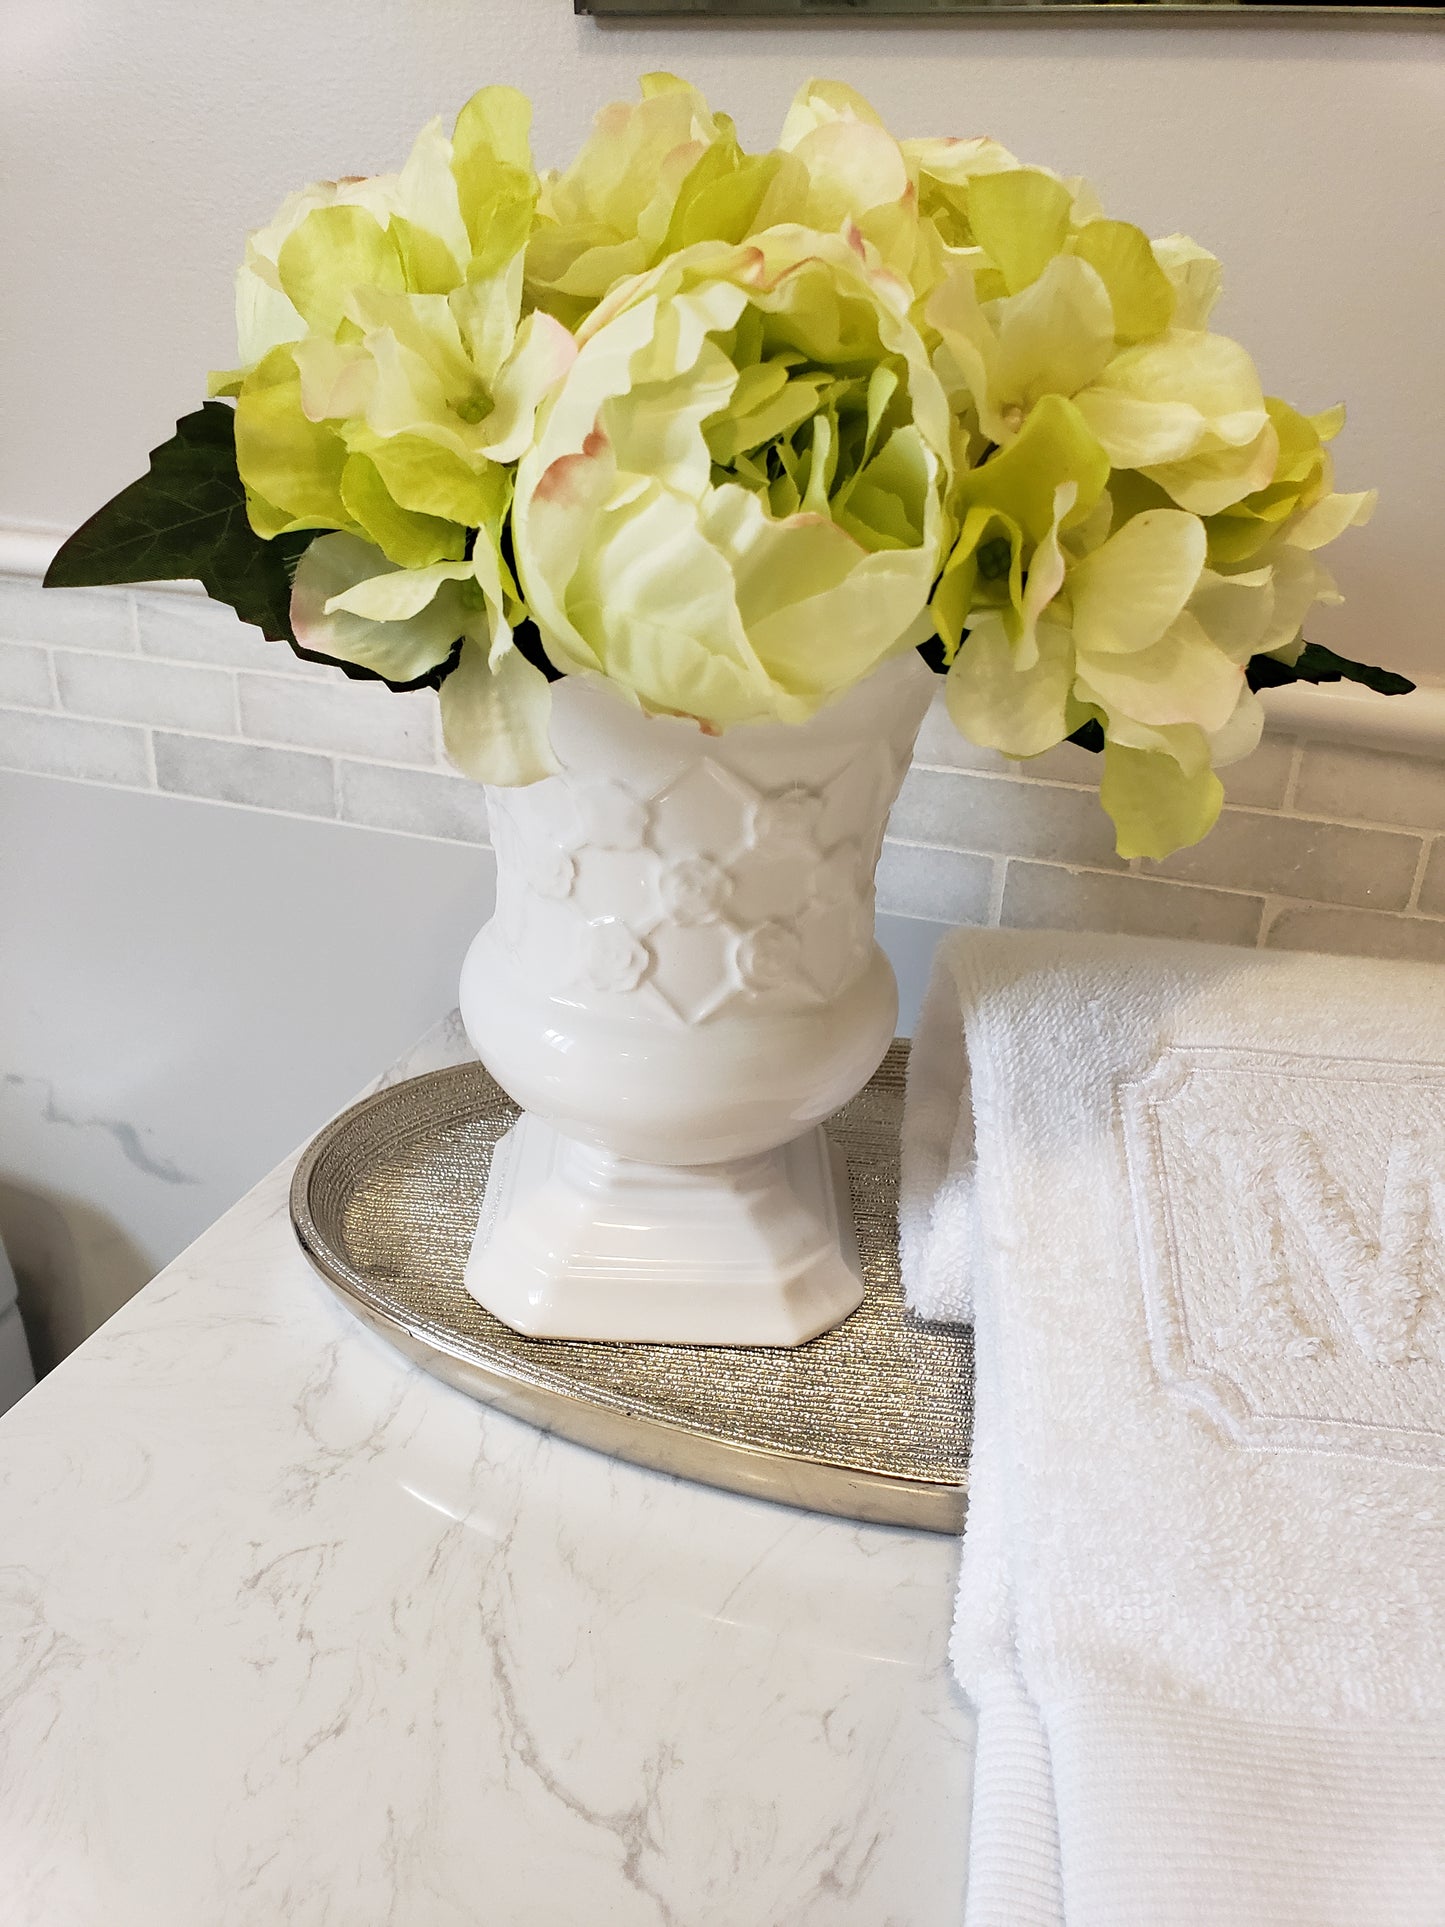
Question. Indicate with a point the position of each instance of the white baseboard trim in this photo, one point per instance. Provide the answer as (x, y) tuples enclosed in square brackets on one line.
[(1412, 725), (1334, 712)]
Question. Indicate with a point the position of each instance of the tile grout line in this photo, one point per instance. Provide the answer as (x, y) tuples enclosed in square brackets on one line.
[(284, 749), (1284, 810), (998, 883), (1291, 782), (1272, 904), (1427, 845), (68, 712), (260, 809), (1259, 894), (283, 672)]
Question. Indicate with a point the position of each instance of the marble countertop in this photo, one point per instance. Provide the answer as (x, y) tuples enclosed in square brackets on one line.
[(292, 1635)]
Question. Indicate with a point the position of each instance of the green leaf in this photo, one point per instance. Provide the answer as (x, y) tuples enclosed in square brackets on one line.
[(1316, 664), (527, 640), (1089, 735), (186, 520)]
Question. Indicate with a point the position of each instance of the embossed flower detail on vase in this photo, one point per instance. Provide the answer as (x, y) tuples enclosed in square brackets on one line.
[(694, 890), (787, 821), (771, 958), (839, 875), (552, 872), (611, 817), (614, 960)]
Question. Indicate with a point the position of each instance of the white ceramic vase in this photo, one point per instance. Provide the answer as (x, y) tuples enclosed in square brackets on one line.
[(679, 984)]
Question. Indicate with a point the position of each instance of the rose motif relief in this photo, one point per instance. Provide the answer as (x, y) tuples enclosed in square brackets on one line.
[(552, 872), (614, 960), (787, 821), (694, 890), (771, 958)]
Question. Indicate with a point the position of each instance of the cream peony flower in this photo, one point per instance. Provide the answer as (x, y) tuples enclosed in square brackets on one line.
[(733, 509)]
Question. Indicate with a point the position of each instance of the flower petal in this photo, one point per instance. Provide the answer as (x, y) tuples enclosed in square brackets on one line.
[(1164, 400), (544, 352), (401, 651), (1129, 591), (495, 717), (998, 705), (1139, 289), (1182, 678), (1020, 219), (393, 595), (1157, 806)]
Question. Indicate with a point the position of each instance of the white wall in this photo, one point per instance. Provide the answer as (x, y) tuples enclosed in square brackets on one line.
[(187, 991), (140, 138)]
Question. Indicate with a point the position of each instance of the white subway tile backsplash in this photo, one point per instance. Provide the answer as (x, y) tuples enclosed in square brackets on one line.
[(128, 689), (941, 746), (1261, 780), (960, 811), (419, 802), (1297, 857), (1372, 786), (183, 628), (351, 718), (45, 744), (1356, 933), (941, 886), (25, 680), (1321, 845), (266, 779), (1041, 896), (79, 618)]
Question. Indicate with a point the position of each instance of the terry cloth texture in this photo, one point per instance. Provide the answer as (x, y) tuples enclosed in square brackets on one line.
[(1196, 1200)]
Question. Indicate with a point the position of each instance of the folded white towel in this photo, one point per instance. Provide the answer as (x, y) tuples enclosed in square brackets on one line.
[(1197, 1198)]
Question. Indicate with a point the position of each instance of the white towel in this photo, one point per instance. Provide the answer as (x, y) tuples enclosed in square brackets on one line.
[(1197, 1199)]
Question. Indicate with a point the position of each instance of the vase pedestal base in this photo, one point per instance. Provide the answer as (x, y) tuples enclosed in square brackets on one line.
[(576, 1243)]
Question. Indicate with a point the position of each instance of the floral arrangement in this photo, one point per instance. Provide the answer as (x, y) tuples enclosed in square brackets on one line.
[(730, 429)]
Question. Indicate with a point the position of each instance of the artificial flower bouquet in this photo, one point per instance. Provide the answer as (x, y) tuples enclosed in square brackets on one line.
[(731, 429)]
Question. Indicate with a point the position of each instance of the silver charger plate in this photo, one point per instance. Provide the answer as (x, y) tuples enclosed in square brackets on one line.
[(871, 1421)]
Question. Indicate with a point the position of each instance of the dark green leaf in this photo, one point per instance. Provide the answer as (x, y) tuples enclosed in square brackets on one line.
[(1089, 735), (528, 640), (932, 653), (186, 520), (1318, 665)]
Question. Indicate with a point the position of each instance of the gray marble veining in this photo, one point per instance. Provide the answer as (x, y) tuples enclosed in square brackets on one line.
[(290, 1633)]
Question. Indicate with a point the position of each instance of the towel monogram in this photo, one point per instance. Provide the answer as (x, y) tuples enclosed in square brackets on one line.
[(1291, 1217)]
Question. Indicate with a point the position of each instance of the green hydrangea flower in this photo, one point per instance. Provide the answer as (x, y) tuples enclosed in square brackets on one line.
[(392, 382)]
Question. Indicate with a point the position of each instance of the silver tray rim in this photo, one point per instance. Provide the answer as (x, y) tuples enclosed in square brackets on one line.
[(660, 1444)]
